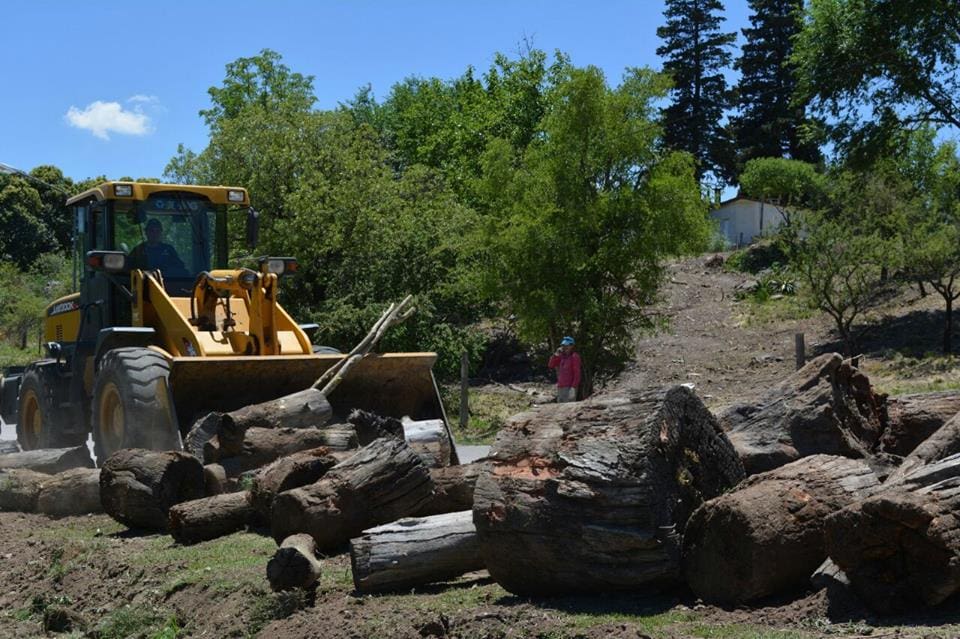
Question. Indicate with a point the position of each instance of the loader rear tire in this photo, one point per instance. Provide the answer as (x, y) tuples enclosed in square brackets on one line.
[(132, 403), (40, 421)]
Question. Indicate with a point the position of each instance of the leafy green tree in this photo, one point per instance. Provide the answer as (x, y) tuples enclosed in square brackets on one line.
[(23, 233), (584, 222), (770, 122), (787, 185), (875, 66), (54, 188), (695, 53)]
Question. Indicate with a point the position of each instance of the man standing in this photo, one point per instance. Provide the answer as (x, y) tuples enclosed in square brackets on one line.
[(567, 363)]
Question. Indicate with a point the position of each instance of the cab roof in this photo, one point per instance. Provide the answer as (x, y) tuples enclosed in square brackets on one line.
[(142, 190)]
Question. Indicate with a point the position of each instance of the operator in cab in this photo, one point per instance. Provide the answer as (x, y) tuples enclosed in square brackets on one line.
[(154, 254)]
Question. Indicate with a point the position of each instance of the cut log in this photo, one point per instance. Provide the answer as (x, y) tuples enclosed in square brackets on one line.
[(429, 439), (292, 471), (383, 482), (827, 407), (72, 492), (371, 426), (138, 487), (19, 489), (941, 444), (203, 430), (211, 517), (592, 496), (766, 537), (48, 460), (415, 551), (215, 480), (295, 564), (900, 548), (911, 419), (452, 489), (264, 445), (304, 409)]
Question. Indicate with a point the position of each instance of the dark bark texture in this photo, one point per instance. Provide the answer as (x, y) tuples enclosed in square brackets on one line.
[(453, 488), (292, 471), (295, 564), (593, 496), (264, 445), (413, 552), (211, 517), (138, 487), (766, 537), (383, 482), (911, 419), (827, 407)]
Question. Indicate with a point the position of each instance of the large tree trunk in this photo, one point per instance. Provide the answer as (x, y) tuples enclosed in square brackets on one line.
[(72, 492), (292, 471), (49, 460), (593, 496), (264, 445), (900, 548), (911, 419), (211, 517), (766, 537), (138, 487), (941, 444), (414, 552), (827, 407), (19, 489), (384, 481), (452, 489), (295, 564)]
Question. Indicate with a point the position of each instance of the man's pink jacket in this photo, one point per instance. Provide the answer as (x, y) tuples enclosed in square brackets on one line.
[(568, 369)]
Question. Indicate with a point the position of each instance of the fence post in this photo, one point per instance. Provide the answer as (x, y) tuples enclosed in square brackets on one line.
[(800, 350), (464, 386)]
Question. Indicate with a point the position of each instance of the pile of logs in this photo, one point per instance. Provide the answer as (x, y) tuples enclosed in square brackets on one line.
[(56, 482)]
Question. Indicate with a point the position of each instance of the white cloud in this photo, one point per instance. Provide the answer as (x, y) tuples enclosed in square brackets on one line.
[(102, 118), (143, 99)]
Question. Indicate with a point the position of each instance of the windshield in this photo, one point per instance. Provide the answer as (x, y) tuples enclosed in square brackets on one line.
[(172, 233)]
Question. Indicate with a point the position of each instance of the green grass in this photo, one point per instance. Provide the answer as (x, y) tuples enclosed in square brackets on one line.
[(899, 374), (788, 308), (489, 410), (128, 621), (274, 605)]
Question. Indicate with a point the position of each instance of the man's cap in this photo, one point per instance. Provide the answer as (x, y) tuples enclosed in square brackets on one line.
[(567, 341), (154, 223)]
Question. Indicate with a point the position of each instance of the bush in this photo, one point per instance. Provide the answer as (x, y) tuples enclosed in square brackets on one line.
[(758, 257)]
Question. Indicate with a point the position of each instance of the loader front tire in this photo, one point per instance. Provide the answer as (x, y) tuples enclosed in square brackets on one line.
[(132, 403), (40, 421)]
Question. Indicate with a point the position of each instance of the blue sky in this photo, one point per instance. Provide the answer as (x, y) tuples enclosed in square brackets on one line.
[(112, 87)]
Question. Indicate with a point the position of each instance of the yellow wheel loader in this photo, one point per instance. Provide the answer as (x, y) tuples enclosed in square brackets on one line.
[(161, 332)]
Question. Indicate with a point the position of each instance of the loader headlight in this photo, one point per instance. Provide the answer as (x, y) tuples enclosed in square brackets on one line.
[(279, 265), (236, 196), (123, 190), (110, 261)]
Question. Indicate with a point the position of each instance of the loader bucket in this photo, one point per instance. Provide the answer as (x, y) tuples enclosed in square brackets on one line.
[(393, 384)]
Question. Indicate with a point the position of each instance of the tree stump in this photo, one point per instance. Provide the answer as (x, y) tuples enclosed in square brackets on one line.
[(911, 419), (292, 471), (593, 496), (72, 492), (295, 564), (211, 517), (138, 487), (48, 460), (384, 481), (264, 445), (900, 548), (827, 407), (766, 537), (452, 489), (415, 551)]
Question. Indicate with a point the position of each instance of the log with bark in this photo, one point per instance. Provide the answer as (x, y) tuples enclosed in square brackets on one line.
[(429, 438), (827, 407), (295, 564), (264, 445), (19, 489), (382, 482), (415, 551), (766, 537), (371, 426), (72, 492), (911, 419), (943, 443), (211, 517), (215, 480), (49, 460), (900, 548), (138, 487), (593, 496), (452, 489), (292, 471)]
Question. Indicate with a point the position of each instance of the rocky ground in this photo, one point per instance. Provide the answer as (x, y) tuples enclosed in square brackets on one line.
[(89, 576)]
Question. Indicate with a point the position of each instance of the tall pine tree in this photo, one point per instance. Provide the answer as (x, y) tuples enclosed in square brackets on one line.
[(768, 124), (696, 52)]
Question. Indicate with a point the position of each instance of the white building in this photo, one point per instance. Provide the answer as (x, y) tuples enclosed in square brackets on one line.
[(742, 220)]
